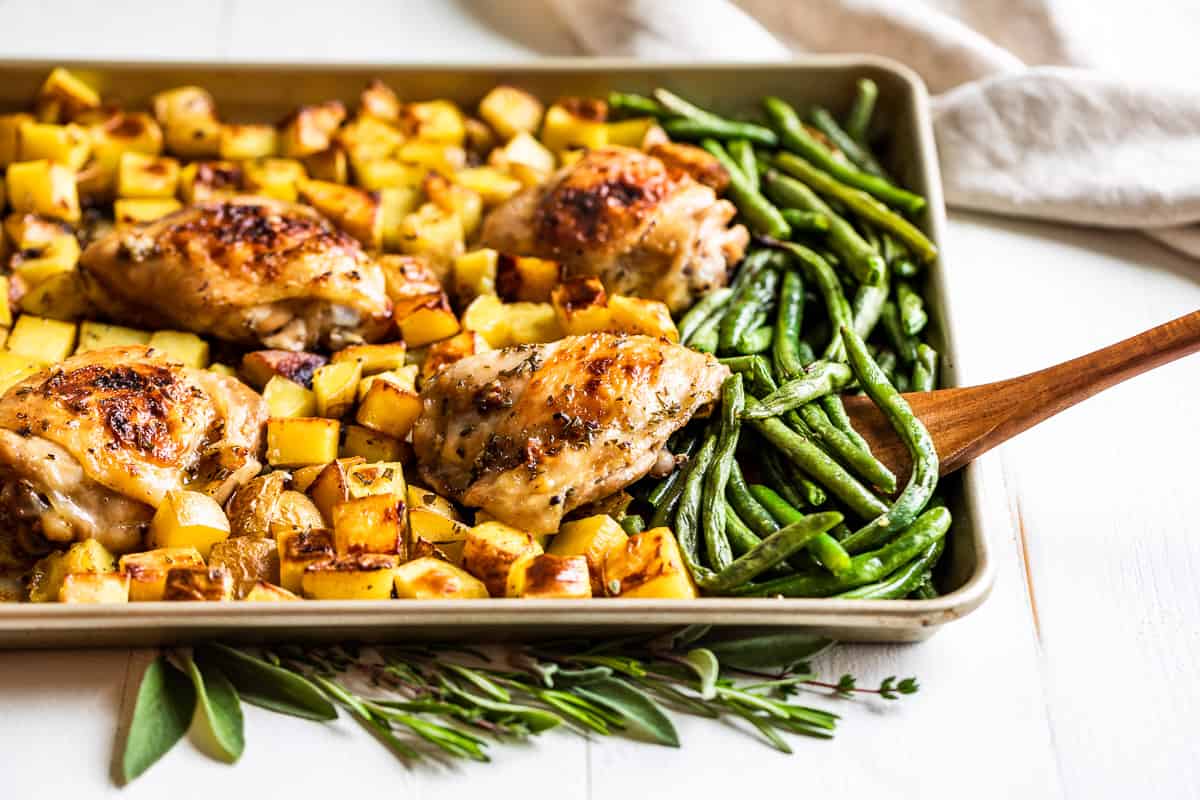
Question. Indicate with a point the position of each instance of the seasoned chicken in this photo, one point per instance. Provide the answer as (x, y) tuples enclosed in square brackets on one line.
[(531, 432), (89, 447), (626, 217), (249, 270)]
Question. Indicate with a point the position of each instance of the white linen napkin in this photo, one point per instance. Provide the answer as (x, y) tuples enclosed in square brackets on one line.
[(1071, 110)]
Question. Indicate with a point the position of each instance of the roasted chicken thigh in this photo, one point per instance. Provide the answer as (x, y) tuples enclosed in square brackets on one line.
[(248, 270), (531, 432), (626, 217), (89, 447)]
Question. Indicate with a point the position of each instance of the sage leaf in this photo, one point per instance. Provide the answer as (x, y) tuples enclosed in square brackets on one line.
[(220, 710), (771, 650), (706, 666), (639, 711), (263, 684), (165, 703)]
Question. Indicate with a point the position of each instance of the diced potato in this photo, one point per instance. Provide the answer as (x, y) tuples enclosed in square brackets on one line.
[(147, 572), (356, 211), (389, 408), (510, 111), (592, 537), (648, 564), (630, 132), (362, 576), (274, 177), (373, 358), (194, 137), (434, 233), (263, 592), (422, 498), (187, 348), (475, 274), (366, 138), (329, 165), (220, 369), (380, 101), (46, 577), (238, 142), (480, 138), (67, 93), (433, 525), (440, 157), (36, 264), (287, 398), (332, 485), (434, 121), (98, 335), (15, 368), (525, 158), (248, 560), (43, 187), (371, 445), (374, 478), (310, 129), (444, 353), (202, 181), (220, 469), (260, 366), (41, 339), (304, 477), (564, 130), (637, 315), (526, 279), (188, 519), (388, 173), (434, 579), (61, 296), (90, 588), (177, 105), (263, 504), (486, 316), (296, 441), (300, 549), (372, 524), (134, 211), (334, 386), (450, 552), (425, 319), (581, 305), (490, 550), (408, 276), (532, 323), (10, 128), (549, 576), (62, 144), (141, 175), (492, 185), (395, 204), (211, 584), (118, 133), (30, 231), (455, 199)]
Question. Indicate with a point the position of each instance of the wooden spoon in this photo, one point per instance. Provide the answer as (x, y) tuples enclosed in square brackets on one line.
[(967, 422)]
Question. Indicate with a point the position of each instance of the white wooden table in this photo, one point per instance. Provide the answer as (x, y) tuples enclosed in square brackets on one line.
[(1074, 679)]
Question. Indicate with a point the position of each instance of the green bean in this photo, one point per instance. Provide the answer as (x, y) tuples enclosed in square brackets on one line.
[(818, 465), (856, 458), (905, 267), (818, 379), (794, 136), (903, 581), (633, 524), (916, 438), (748, 302), (911, 307), (867, 305), (837, 415), (741, 539), (776, 475), (757, 340), (719, 127), (762, 217), (905, 345), (806, 221), (742, 152), (713, 498), (636, 104), (756, 260), (924, 374), (789, 318), (805, 353), (864, 568), (860, 203), (687, 517), (860, 258), (772, 551), (860, 156), (823, 547), (925, 589), (757, 370), (748, 510), (858, 121), (818, 272), (708, 305), (667, 490), (886, 359)]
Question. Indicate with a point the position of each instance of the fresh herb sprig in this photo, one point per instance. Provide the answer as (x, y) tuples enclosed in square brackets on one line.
[(450, 701)]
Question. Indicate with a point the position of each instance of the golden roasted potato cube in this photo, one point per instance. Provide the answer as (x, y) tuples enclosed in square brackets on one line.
[(581, 305), (380, 101), (30, 231), (310, 129), (475, 274), (304, 477), (68, 93), (354, 210), (41, 339), (300, 549), (525, 158), (62, 144), (630, 132), (549, 576), (425, 319), (192, 127), (122, 132), (372, 478), (532, 323), (5, 308), (408, 276), (15, 368), (366, 138), (564, 129), (395, 204), (263, 504), (455, 199), (61, 296), (240, 142), (202, 181), (444, 353), (36, 264), (433, 121), (369, 444), (10, 132), (43, 187), (90, 588), (490, 550), (389, 173), (373, 358), (437, 156), (361, 576), (432, 524), (372, 524), (98, 335), (211, 584), (434, 579), (648, 564), (287, 398), (526, 279), (331, 486), (492, 185), (46, 577), (188, 519), (637, 315), (434, 233), (183, 103), (275, 177), (147, 572), (422, 498), (591, 537), (389, 409), (248, 560), (263, 592), (329, 165), (260, 366), (450, 552), (480, 138), (146, 209), (488, 317), (187, 348), (511, 111), (296, 441), (141, 175), (334, 386)]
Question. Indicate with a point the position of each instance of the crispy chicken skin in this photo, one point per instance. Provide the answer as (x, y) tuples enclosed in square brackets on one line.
[(531, 432), (249, 270), (642, 227), (89, 447)]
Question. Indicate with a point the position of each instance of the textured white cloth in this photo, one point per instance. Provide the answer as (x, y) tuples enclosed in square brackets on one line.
[(1070, 110)]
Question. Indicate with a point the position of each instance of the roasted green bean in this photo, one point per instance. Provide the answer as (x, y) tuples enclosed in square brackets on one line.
[(716, 478), (761, 216), (708, 305), (817, 379), (688, 515), (903, 581), (772, 551), (859, 155), (823, 547), (818, 272), (789, 318), (911, 308), (924, 372), (806, 221), (742, 152), (702, 123), (858, 121)]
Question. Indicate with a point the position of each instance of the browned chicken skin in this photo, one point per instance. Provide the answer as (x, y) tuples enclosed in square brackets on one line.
[(531, 432), (248, 270), (626, 217), (89, 447)]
